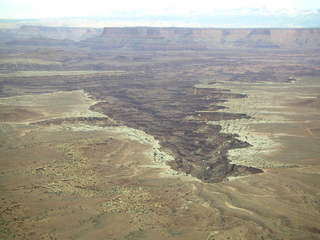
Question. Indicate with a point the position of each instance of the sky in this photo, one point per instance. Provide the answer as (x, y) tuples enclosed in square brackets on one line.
[(102, 8)]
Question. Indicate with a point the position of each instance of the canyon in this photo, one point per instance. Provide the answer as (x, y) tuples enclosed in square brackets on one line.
[(159, 133)]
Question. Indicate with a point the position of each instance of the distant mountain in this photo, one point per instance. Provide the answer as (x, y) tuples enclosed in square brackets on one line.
[(233, 18)]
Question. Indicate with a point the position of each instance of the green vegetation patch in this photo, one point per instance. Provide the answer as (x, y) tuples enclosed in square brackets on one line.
[(5, 232)]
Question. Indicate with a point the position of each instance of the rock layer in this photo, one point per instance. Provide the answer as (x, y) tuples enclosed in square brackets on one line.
[(57, 33), (198, 38)]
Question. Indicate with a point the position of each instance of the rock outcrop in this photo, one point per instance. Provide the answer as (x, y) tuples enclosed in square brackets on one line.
[(57, 33), (197, 38), (164, 38)]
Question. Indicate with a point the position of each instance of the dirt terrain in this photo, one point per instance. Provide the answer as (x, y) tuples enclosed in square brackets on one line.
[(101, 143)]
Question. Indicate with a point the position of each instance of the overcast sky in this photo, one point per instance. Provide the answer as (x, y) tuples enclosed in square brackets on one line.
[(73, 8)]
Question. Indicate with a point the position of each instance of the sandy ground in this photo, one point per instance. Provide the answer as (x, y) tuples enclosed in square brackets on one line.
[(284, 123), (77, 180)]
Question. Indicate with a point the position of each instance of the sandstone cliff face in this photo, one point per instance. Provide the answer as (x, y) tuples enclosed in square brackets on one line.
[(191, 38), (149, 38), (58, 33), (157, 38)]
